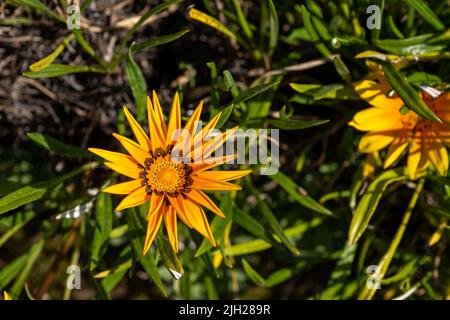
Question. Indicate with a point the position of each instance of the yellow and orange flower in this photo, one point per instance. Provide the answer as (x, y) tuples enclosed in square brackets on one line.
[(424, 139), (172, 186)]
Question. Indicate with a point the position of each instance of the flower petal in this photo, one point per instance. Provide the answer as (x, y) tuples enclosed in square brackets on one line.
[(175, 118), (156, 134), (125, 169), (202, 199), (375, 140), (397, 147), (137, 197), (206, 184), (181, 210), (156, 203), (223, 175), (213, 162), (132, 148), (198, 220), (115, 157), (170, 220), (154, 221), (374, 94), (437, 153), (124, 187), (375, 119), (159, 113), (139, 133), (417, 157)]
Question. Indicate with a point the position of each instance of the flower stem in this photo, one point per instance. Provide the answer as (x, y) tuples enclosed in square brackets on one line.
[(368, 293)]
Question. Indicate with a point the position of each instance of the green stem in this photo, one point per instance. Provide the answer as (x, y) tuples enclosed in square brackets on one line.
[(383, 265)]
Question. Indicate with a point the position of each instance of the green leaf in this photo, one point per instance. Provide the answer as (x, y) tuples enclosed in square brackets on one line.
[(250, 224), (252, 274), (291, 124), (148, 262), (226, 113), (9, 271), (428, 15), (56, 70), (43, 63), (273, 27), (169, 257), (57, 146), (369, 202), (32, 256), (158, 41), (318, 43), (218, 224), (138, 85), (103, 227), (35, 191), (252, 92), (292, 188), (39, 6), (409, 46), (407, 93), (258, 245), (278, 277), (78, 33), (272, 221), (242, 20)]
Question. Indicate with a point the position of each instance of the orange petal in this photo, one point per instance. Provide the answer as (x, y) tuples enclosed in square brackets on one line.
[(156, 134), (223, 175), (132, 148), (417, 157), (213, 162), (202, 199), (159, 113), (170, 220), (175, 118), (155, 204), (375, 119), (179, 207), (206, 132), (206, 184), (214, 144), (139, 133), (112, 156), (375, 140), (124, 187), (198, 220), (154, 221), (437, 153), (134, 199), (127, 170), (397, 147), (374, 94)]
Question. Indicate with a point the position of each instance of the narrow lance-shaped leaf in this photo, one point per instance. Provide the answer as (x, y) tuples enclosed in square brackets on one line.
[(369, 202), (427, 13), (406, 92), (272, 221), (57, 146), (35, 191), (56, 70), (103, 227), (138, 85), (218, 224), (43, 63), (291, 187), (33, 255), (169, 257), (148, 262)]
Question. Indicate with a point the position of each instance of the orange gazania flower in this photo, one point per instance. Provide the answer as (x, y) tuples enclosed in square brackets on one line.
[(424, 139), (172, 186)]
